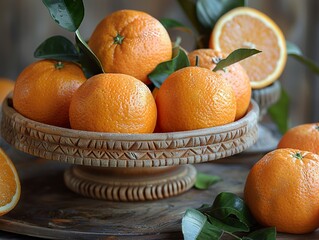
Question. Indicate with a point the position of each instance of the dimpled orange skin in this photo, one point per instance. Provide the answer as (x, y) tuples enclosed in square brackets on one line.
[(194, 98), (131, 42), (304, 137), (44, 89), (116, 103), (235, 74), (283, 191)]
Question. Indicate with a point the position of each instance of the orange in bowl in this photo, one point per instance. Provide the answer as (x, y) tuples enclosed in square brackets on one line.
[(194, 98), (113, 102), (234, 74)]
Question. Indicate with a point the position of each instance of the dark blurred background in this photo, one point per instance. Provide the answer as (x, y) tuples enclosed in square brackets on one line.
[(24, 24)]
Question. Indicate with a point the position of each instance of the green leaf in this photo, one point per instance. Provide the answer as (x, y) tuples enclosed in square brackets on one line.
[(57, 48), (292, 48), (90, 63), (231, 210), (169, 23), (67, 13), (295, 52), (189, 8), (262, 234), (205, 208), (164, 69), (279, 112), (204, 181), (196, 226), (209, 11), (235, 56), (227, 228)]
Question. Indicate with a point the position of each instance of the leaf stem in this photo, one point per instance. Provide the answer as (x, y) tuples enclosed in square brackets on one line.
[(118, 39), (197, 61), (59, 65)]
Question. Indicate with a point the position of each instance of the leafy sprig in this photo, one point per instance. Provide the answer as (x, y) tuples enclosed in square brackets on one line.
[(68, 14), (228, 215)]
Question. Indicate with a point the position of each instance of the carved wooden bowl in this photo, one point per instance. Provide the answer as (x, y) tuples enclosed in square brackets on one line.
[(129, 167), (265, 97)]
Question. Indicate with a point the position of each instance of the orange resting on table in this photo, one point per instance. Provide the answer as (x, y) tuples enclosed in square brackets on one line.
[(246, 27), (282, 190), (131, 42), (113, 102), (194, 98), (10, 188), (234, 74), (304, 137), (6, 86), (43, 91)]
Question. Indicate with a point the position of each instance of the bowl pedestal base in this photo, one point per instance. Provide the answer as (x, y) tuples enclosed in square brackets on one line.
[(130, 184)]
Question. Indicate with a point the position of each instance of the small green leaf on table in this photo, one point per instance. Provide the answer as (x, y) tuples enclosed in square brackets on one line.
[(169, 23), (209, 11), (235, 56), (279, 112), (227, 215), (226, 227), (57, 48), (204, 181), (91, 65), (67, 13), (229, 204), (262, 234), (295, 52), (164, 69), (196, 226)]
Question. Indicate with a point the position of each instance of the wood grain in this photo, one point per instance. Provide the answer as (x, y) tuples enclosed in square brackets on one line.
[(47, 209)]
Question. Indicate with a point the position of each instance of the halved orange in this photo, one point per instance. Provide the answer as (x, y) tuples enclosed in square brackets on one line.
[(246, 27), (10, 187)]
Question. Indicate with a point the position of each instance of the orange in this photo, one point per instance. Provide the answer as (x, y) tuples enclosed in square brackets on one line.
[(194, 98), (304, 137), (282, 190), (43, 91), (246, 27), (235, 74), (116, 103), (131, 42), (6, 86), (10, 188)]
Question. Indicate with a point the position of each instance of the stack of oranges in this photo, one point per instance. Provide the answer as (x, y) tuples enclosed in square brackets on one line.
[(130, 44)]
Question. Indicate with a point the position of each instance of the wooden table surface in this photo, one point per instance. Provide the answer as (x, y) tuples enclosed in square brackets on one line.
[(47, 209)]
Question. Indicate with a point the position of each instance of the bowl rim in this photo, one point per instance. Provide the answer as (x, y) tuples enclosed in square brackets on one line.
[(253, 109)]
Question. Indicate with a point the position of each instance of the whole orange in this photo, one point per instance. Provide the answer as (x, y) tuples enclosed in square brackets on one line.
[(304, 137), (193, 98), (116, 103), (43, 91), (235, 74), (131, 42), (6, 86), (282, 190)]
